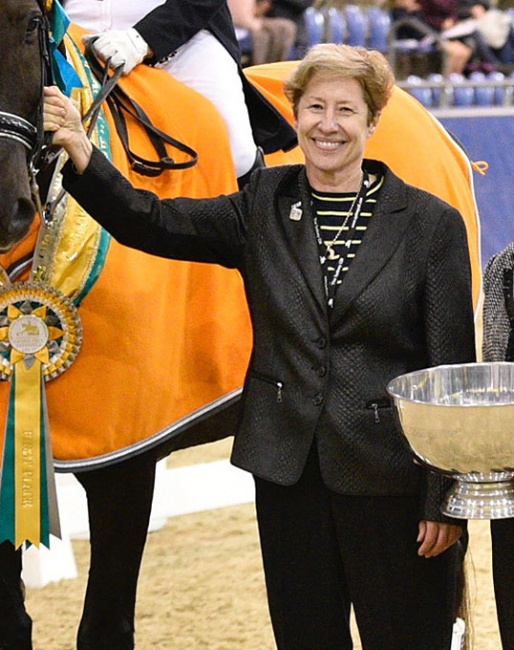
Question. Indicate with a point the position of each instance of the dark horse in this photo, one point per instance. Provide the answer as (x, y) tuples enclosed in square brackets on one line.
[(108, 618), (22, 38), (119, 494)]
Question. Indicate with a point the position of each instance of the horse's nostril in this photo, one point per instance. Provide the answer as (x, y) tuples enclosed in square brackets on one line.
[(23, 215)]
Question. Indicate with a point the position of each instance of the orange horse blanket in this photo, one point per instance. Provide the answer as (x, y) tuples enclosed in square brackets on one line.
[(162, 338)]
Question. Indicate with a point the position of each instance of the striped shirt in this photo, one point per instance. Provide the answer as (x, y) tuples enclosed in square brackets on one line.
[(331, 211)]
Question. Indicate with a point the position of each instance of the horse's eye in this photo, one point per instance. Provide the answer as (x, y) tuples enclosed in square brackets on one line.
[(33, 25)]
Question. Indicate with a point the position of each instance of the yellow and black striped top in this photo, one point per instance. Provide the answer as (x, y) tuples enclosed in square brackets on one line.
[(331, 211)]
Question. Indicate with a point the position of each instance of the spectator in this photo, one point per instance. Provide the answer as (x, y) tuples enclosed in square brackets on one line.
[(272, 38), (464, 43), (494, 25), (425, 22), (294, 10)]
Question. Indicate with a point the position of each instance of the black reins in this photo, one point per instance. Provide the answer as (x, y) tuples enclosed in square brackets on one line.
[(121, 105), (42, 156)]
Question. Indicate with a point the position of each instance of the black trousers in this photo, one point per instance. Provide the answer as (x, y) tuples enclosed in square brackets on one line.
[(502, 536), (119, 500), (324, 552)]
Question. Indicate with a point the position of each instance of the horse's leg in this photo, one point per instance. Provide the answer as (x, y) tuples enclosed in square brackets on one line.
[(119, 501), (15, 623)]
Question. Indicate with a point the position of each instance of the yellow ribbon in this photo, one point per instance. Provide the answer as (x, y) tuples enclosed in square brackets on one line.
[(27, 453)]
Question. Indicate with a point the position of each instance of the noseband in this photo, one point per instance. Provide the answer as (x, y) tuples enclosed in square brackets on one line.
[(14, 127)]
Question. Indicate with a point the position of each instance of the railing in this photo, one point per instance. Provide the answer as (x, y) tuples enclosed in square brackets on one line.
[(484, 91), (427, 45)]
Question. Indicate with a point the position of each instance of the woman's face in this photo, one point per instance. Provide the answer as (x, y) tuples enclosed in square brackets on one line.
[(332, 126)]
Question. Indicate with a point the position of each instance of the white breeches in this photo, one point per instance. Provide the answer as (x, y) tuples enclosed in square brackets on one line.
[(202, 64)]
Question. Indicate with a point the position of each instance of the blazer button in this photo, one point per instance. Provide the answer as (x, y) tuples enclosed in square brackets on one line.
[(318, 399), (322, 342), (322, 371)]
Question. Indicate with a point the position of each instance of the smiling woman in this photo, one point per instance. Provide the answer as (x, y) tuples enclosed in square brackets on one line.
[(335, 116), (352, 278)]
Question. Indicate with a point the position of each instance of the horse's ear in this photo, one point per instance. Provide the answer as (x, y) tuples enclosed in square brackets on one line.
[(45, 5)]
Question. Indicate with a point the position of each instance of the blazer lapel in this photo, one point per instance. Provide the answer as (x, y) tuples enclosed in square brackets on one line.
[(296, 214), (386, 229)]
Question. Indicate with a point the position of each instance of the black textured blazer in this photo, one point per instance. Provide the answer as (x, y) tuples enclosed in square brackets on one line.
[(175, 22), (404, 304)]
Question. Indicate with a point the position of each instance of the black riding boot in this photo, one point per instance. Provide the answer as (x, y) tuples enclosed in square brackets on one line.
[(257, 164), (119, 502), (15, 623)]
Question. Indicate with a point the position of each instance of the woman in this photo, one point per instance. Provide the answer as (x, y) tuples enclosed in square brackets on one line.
[(352, 277), (195, 42)]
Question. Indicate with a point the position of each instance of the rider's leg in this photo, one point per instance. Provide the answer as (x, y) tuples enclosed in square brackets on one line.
[(119, 504), (15, 623), (205, 65)]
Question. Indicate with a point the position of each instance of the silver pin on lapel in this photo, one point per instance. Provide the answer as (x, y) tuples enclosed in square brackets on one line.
[(296, 211)]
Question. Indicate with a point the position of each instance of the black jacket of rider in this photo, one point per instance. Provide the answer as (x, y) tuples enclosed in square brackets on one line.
[(175, 22)]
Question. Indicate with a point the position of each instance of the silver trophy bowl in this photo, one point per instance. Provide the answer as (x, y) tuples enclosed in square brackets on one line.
[(459, 421)]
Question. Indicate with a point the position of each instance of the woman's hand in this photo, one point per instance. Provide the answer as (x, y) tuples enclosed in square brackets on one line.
[(62, 118), (436, 537)]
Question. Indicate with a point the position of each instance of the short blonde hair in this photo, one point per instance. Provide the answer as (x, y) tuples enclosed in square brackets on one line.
[(369, 67)]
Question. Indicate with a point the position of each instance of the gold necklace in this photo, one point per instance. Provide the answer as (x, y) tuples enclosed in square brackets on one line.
[(331, 254)]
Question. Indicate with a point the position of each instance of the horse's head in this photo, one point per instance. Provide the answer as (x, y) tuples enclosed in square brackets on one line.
[(23, 47)]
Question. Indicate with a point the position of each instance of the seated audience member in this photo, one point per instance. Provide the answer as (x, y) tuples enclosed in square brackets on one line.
[(293, 10), (494, 26), (439, 19), (272, 38)]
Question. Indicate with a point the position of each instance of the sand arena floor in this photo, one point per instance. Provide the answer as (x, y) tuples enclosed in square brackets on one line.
[(201, 584)]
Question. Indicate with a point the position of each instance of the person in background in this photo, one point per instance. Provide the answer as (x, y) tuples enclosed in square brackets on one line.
[(272, 38), (352, 278), (495, 27), (293, 10), (441, 19), (193, 40), (498, 345), (425, 20)]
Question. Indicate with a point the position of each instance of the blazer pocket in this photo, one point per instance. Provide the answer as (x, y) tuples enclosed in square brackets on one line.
[(269, 381), (378, 406)]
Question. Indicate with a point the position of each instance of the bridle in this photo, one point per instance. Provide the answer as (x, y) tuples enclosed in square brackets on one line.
[(42, 155), (17, 128)]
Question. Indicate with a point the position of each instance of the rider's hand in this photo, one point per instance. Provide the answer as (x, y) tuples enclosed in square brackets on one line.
[(121, 47)]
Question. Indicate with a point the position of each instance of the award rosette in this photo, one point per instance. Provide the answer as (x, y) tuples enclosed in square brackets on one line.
[(40, 328), (40, 336)]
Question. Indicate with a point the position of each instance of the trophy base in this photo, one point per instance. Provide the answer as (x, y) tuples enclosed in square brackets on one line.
[(467, 500)]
